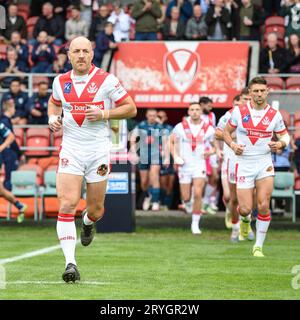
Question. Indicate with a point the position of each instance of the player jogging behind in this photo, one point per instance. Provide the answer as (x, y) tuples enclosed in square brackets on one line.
[(255, 123), (86, 95)]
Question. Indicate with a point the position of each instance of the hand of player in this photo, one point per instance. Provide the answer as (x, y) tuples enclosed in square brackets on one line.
[(55, 123), (275, 146), (94, 114), (178, 161), (237, 148)]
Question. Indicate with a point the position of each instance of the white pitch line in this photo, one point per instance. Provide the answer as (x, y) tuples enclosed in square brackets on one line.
[(31, 254), (94, 283)]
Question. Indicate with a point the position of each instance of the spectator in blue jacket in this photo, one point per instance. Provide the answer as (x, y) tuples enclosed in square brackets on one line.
[(12, 154), (21, 48), (37, 105), (12, 65), (61, 64), (43, 54), (105, 41), (185, 8), (20, 98)]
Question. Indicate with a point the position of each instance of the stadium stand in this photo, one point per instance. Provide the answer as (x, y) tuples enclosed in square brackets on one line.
[(275, 24), (293, 83), (38, 138), (275, 83)]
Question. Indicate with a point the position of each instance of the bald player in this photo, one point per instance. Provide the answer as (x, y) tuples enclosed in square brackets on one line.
[(88, 97)]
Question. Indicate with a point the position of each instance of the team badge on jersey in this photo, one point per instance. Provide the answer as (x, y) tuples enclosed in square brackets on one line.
[(102, 170), (265, 121), (246, 118), (92, 88), (67, 87)]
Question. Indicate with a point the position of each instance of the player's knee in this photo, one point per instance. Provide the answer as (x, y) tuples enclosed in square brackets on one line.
[(244, 210), (67, 207), (263, 207), (96, 211)]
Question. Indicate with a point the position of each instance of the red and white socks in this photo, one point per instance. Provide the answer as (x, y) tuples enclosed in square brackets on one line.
[(66, 232), (88, 220), (262, 225)]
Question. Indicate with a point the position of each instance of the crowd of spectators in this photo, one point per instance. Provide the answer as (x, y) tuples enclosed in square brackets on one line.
[(107, 23)]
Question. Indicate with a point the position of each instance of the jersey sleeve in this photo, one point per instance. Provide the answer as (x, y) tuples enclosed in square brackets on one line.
[(210, 133), (4, 131), (55, 93), (116, 91), (176, 131), (222, 122), (279, 125), (234, 118)]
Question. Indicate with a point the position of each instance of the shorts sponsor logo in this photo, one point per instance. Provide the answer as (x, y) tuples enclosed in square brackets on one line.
[(246, 118), (102, 170), (64, 162), (67, 87), (269, 169), (241, 179)]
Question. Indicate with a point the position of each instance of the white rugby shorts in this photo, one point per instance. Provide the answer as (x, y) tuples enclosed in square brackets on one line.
[(94, 166), (249, 170), (186, 173)]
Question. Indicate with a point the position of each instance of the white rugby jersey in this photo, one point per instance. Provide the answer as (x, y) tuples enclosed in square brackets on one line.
[(97, 89), (200, 133), (228, 152), (254, 128)]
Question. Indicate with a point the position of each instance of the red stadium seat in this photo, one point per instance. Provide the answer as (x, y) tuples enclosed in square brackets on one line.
[(30, 23), (286, 116), (275, 24), (275, 83), (297, 130), (19, 136), (57, 138), (3, 48), (23, 7), (39, 172), (297, 116), (297, 183), (24, 14), (37, 137), (293, 83)]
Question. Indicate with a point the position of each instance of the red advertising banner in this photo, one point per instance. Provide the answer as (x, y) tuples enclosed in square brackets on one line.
[(174, 73)]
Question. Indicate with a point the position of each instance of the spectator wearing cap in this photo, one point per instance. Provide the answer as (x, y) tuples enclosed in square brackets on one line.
[(173, 29), (37, 105), (51, 23), (196, 28), (20, 98), (146, 13), (98, 22), (75, 26), (105, 42), (185, 9), (43, 54), (61, 64), (12, 64), (21, 48), (273, 59), (14, 22), (217, 19), (12, 154), (121, 22)]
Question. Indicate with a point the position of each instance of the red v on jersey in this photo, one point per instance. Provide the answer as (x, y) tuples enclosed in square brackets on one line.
[(260, 130), (80, 104), (200, 136)]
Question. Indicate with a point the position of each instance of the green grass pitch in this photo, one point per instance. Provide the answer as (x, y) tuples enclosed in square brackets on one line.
[(152, 263)]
